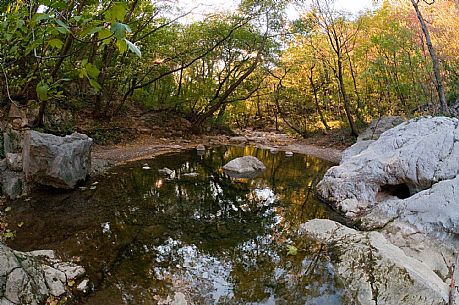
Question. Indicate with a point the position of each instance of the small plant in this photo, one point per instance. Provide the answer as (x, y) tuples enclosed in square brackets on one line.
[(9, 234)]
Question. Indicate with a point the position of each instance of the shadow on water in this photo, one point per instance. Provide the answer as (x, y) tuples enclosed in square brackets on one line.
[(145, 238)]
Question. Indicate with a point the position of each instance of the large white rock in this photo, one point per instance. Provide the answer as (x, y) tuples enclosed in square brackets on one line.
[(433, 211), (375, 271), (247, 165), (405, 160), (60, 162)]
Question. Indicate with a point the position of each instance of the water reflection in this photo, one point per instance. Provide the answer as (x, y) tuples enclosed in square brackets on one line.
[(190, 232)]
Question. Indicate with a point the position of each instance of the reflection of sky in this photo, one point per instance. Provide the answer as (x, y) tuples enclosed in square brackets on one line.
[(187, 265)]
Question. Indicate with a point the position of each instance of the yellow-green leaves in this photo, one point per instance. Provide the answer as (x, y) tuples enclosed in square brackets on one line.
[(56, 43), (116, 12), (42, 90), (91, 72)]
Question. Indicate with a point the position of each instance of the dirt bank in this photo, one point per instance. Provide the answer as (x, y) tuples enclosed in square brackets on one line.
[(145, 147)]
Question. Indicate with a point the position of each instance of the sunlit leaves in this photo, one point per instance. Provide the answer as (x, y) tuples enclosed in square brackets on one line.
[(56, 43), (91, 73), (116, 12), (42, 90)]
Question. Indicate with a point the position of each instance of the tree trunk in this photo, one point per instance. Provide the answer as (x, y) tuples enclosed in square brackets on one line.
[(316, 100), (345, 99), (435, 62)]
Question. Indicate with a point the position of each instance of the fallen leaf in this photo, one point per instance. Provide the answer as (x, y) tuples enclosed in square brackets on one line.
[(292, 250)]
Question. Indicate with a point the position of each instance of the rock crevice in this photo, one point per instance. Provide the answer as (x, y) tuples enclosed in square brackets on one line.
[(402, 191)]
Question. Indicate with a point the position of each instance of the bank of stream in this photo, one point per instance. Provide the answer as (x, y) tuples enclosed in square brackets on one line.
[(196, 235)]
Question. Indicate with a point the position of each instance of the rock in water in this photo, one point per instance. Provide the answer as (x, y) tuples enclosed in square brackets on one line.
[(60, 162), (200, 148), (404, 161), (244, 167)]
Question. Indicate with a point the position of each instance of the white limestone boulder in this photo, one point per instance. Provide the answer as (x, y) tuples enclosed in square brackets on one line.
[(375, 271), (404, 161)]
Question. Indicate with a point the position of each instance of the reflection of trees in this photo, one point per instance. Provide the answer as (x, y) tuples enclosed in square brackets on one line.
[(145, 209)]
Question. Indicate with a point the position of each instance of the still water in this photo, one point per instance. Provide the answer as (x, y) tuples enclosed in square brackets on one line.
[(146, 237)]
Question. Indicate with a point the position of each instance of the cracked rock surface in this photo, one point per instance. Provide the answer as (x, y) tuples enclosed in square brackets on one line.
[(30, 277), (402, 190), (374, 270), (414, 156)]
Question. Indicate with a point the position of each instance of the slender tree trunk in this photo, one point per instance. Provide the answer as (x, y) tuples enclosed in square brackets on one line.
[(357, 94), (316, 100), (346, 99), (435, 62)]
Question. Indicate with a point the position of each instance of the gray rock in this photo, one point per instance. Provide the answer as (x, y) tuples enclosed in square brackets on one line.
[(168, 172), (379, 126), (55, 281), (374, 270), (14, 162), (83, 286), (403, 161), (200, 147), (60, 162), (29, 278), (12, 141), (289, 154), (433, 211), (71, 271), (244, 166), (12, 183)]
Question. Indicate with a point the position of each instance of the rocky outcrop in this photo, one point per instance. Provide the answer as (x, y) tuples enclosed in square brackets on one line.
[(31, 277), (404, 161), (60, 162), (379, 126), (244, 167), (433, 211), (403, 190), (375, 271)]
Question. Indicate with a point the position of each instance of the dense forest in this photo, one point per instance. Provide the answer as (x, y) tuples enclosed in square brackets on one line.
[(65, 61)]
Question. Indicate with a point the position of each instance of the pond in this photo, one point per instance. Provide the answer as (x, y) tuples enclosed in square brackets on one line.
[(148, 238)]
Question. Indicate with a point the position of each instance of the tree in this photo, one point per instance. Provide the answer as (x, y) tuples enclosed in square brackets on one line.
[(435, 61), (340, 37)]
